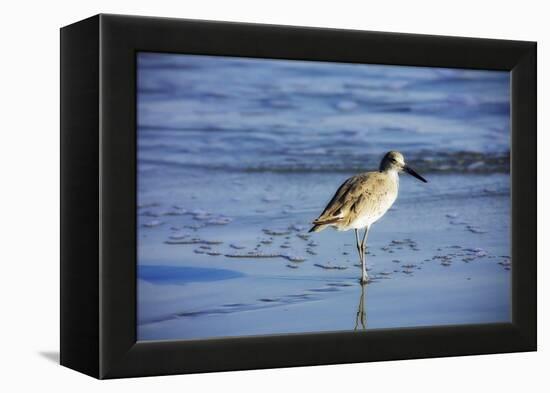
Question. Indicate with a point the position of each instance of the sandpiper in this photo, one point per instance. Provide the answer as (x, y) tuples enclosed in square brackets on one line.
[(363, 199)]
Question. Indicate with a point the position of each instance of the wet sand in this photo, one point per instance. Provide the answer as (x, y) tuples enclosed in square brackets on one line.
[(228, 254)]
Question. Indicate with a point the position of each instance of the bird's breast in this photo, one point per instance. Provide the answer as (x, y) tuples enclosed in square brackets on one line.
[(379, 200)]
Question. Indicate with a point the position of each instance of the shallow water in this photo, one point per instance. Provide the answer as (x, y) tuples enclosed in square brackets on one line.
[(237, 156)]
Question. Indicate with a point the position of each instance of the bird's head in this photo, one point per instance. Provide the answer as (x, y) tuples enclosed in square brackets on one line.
[(394, 161)]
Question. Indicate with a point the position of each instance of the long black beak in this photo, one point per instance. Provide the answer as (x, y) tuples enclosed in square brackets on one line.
[(412, 172)]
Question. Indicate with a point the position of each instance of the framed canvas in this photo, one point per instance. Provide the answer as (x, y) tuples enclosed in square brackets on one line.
[(219, 180)]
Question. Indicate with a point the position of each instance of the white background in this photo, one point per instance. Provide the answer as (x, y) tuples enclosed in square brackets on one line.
[(29, 154)]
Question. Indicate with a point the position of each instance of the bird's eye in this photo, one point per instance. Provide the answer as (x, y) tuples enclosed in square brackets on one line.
[(393, 160)]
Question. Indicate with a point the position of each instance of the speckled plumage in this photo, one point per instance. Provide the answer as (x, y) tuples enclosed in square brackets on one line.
[(360, 201), (363, 199)]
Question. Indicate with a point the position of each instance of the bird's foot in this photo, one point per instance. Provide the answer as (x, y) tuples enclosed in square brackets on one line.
[(364, 280)]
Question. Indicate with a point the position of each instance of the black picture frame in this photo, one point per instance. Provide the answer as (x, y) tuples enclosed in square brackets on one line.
[(98, 195)]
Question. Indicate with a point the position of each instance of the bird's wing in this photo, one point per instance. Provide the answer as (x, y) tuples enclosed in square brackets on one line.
[(349, 199)]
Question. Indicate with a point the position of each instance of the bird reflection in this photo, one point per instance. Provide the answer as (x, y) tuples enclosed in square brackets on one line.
[(361, 317)]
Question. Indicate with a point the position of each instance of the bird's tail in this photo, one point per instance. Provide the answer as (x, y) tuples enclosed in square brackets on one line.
[(317, 228), (319, 225)]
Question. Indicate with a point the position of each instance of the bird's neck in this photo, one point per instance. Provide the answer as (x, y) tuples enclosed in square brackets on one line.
[(393, 174)]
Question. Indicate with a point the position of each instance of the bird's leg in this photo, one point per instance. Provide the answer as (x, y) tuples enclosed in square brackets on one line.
[(359, 250), (364, 274)]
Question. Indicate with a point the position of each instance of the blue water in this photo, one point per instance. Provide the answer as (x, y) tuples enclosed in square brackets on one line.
[(257, 114), (237, 156)]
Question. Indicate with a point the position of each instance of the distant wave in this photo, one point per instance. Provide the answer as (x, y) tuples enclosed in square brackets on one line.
[(424, 161)]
